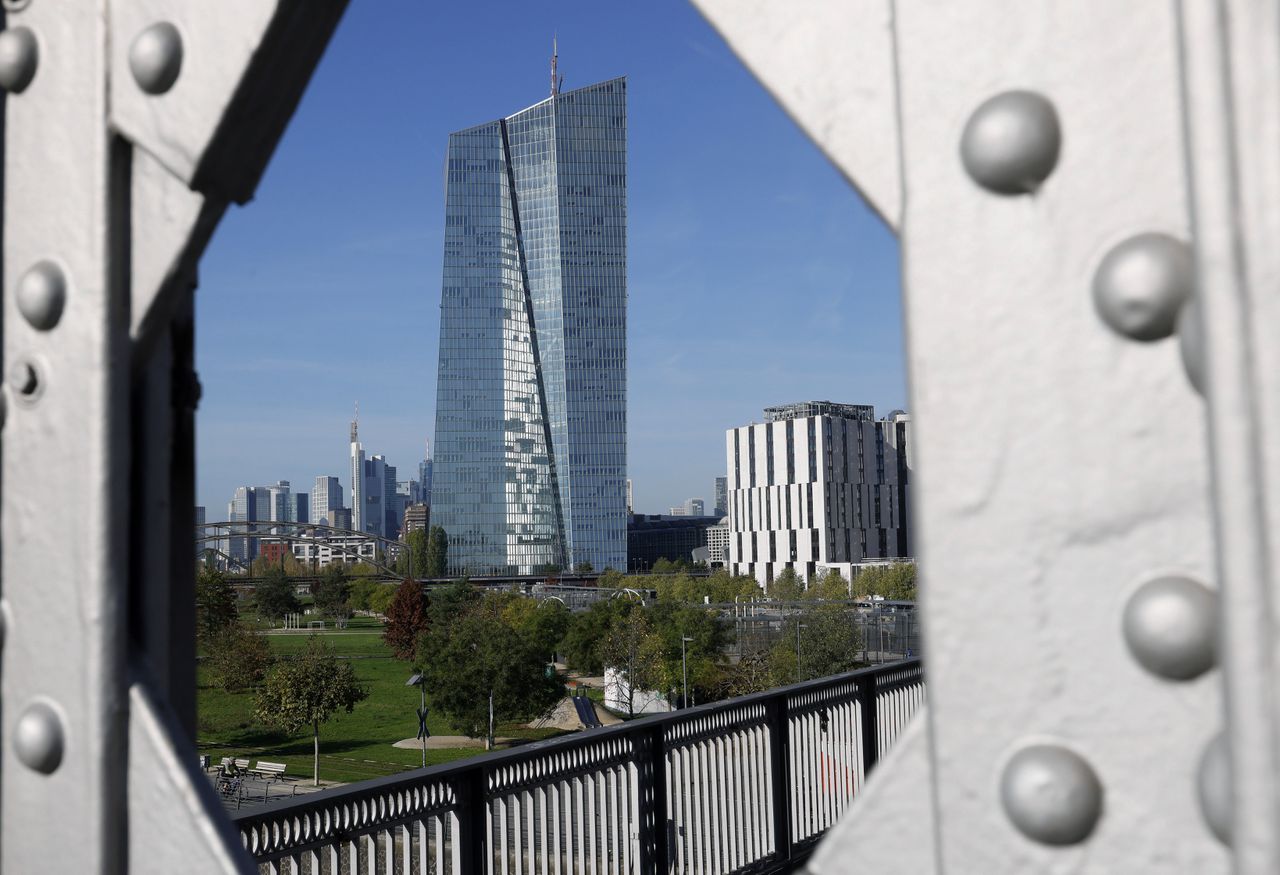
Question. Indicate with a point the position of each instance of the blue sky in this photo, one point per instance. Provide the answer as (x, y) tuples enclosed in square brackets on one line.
[(756, 275)]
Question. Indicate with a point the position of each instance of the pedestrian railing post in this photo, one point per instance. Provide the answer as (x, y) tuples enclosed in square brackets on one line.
[(650, 753), (472, 822), (870, 722), (778, 717)]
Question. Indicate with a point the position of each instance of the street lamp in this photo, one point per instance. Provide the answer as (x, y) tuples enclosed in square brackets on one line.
[(423, 734), (684, 672)]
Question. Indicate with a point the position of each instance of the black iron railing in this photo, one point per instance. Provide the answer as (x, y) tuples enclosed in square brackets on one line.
[(743, 785)]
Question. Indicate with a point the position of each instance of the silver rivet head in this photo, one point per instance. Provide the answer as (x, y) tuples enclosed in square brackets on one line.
[(1141, 285), (1051, 794), (19, 56), (38, 737), (1191, 344), (25, 380), (1213, 786), (156, 57), (42, 293), (1010, 144), (1171, 627)]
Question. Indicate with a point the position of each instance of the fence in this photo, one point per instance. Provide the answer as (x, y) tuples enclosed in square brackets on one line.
[(743, 785)]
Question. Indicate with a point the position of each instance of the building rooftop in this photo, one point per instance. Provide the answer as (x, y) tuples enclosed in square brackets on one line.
[(803, 409)]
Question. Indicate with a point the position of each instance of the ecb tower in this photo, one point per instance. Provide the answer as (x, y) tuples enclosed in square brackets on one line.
[(531, 413)]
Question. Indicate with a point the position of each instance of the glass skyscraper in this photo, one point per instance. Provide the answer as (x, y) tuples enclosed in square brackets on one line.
[(531, 416)]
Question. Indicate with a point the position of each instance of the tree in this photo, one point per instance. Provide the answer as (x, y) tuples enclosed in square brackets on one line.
[(831, 586), (635, 651), (437, 564), (275, 596), (478, 659), (406, 619), (309, 690), (787, 586), (583, 568), (611, 579), (704, 653), (238, 658), (381, 598), (581, 642), (829, 642), (417, 541), (543, 623), (896, 582), (215, 604), (333, 594), (362, 588)]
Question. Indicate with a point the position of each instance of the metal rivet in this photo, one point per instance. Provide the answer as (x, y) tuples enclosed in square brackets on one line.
[(156, 57), (1213, 786), (38, 737), (42, 293), (1191, 343), (1051, 794), (1141, 285), (1171, 627), (24, 377), (1011, 142), (19, 56)]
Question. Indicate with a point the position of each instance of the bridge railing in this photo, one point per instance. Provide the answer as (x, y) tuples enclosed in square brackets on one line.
[(743, 785)]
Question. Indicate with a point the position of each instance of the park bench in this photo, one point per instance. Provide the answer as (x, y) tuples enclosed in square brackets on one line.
[(270, 770), (242, 765)]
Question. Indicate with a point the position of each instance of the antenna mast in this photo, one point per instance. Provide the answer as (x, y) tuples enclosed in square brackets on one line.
[(556, 81)]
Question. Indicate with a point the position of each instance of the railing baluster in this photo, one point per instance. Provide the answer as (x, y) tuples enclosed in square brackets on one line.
[(779, 776)]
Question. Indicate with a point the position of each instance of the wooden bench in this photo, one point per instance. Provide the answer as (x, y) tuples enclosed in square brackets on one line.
[(270, 770)]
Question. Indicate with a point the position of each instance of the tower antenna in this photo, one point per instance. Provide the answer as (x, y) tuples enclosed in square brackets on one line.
[(556, 82)]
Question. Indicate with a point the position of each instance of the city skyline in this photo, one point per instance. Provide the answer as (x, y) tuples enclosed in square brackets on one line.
[(755, 273)]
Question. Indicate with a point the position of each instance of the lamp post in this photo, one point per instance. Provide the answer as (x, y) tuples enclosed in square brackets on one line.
[(423, 734), (684, 672)]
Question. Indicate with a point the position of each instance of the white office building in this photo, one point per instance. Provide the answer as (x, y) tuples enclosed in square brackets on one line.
[(691, 507), (718, 544), (817, 485), (326, 495)]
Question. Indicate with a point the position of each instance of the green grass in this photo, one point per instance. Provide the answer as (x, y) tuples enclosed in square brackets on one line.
[(353, 747)]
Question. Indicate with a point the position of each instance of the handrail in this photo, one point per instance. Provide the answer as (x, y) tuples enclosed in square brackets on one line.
[(750, 782)]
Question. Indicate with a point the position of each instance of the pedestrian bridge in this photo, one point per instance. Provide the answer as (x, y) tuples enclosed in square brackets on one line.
[(743, 785)]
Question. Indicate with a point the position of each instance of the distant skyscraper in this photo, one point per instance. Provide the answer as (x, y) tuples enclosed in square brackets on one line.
[(631, 505), (280, 502), (300, 508), (531, 416), (326, 495), (424, 476), (358, 495), (722, 496), (692, 507)]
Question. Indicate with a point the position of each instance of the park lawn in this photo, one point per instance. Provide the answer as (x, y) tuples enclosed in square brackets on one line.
[(353, 747)]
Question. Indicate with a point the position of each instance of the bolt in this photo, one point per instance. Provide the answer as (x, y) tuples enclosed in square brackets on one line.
[(156, 57), (1142, 283), (42, 293), (1011, 142), (19, 56), (24, 377), (1171, 627), (1213, 787), (38, 737), (1051, 794)]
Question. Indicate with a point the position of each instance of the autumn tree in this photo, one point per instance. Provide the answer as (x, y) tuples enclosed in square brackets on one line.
[(406, 619), (215, 604), (633, 649), (308, 690), (238, 658)]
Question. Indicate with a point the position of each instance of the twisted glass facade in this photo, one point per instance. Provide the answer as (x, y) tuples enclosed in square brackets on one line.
[(531, 421)]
